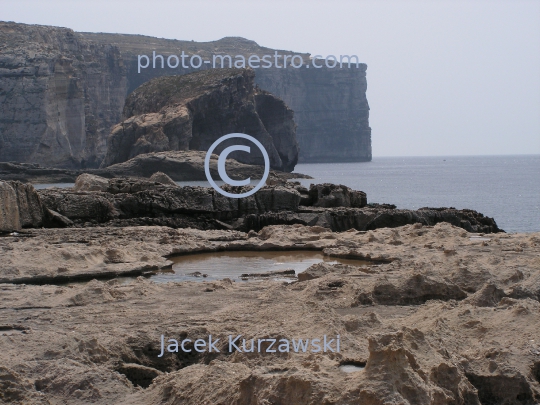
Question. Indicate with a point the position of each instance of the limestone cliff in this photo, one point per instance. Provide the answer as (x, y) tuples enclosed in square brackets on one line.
[(59, 95), (192, 111), (330, 108)]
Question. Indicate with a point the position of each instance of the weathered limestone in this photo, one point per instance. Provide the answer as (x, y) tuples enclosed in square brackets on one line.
[(9, 209), (20, 207), (61, 94)]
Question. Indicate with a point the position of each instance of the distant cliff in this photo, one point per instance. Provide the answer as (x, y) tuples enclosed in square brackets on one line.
[(330, 105), (59, 95), (190, 112), (61, 92)]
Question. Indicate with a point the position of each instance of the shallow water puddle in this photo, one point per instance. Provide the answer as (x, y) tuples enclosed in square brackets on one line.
[(220, 265)]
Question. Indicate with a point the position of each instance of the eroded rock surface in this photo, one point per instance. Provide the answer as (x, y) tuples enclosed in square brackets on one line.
[(427, 339)]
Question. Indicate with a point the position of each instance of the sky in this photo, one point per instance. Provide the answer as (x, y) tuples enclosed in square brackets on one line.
[(444, 77)]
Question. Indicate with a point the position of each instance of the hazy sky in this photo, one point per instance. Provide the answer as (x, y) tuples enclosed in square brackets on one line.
[(444, 77)]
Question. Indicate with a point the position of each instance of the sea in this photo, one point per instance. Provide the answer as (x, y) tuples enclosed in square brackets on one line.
[(506, 188)]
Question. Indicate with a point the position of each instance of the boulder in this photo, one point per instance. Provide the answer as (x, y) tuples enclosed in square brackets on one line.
[(20, 207), (9, 209), (334, 195), (90, 182), (162, 178), (31, 213)]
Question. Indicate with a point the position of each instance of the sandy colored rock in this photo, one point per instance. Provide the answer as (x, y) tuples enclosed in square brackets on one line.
[(437, 333), (162, 178), (9, 209), (90, 182)]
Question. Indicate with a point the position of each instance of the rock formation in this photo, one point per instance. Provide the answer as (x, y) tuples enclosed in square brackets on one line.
[(126, 202), (62, 91), (20, 207), (192, 111), (179, 165), (330, 105)]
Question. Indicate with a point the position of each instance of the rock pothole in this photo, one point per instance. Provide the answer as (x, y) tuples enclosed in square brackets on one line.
[(502, 389)]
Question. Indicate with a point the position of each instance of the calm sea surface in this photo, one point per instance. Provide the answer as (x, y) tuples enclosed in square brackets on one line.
[(506, 188)]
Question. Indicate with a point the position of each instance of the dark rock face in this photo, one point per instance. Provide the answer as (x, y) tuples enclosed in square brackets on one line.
[(59, 94), (363, 219), (330, 195), (192, 111), (137, 202), (128, 199)]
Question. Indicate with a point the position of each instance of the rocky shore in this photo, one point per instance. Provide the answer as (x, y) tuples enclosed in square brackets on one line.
[(179, 165), (442, 307), (97, 201), (441, 316)]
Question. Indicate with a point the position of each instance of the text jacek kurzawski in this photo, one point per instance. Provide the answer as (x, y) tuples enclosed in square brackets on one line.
[(242, 345)]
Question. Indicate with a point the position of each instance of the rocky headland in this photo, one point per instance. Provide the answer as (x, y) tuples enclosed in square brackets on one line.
[(68, 90), (190, 112)]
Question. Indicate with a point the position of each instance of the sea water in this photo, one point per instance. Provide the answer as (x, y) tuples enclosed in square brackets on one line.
[(506, 188)]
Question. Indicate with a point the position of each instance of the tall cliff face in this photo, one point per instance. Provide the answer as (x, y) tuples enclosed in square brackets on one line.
[(331, 110), (59, 95), (190, 112)]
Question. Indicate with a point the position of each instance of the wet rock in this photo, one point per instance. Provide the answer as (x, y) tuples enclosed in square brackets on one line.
[(290, 273)]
